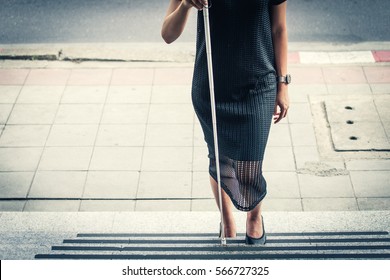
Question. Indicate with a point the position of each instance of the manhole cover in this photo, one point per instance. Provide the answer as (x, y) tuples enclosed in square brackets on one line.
[(357, 124)]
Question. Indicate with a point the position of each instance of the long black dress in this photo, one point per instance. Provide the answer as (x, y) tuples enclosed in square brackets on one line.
[(245, 92)]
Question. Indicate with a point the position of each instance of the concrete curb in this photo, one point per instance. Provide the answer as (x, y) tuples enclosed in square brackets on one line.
[(300, 53)]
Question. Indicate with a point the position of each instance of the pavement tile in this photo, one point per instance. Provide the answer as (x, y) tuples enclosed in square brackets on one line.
[(305, 154), (19, 159), (111, 184), (282, 184), (382, 103), (306, 75), (121, 135), (9, 94), (171, 94), (15, 184), (5, 110), (300, 93), (386, 126), (164, 185), (371, 183), (380, 88), (129, 94), (303, 135), (349, 89), (12, 205), (373, 204), (116, 158), (201, 160), (344, 75), (41, 94), (330, 187), (168, 135), (299, 113), (13, 76), (125, 113), (167, 159), (52, 205), (278, 159), (107, 205), (33, 114), (329, 204), (201, 187), (279, 136), (163, 205), (173, 76), (84, 94), (282, 204), (171, 113), (134, 76), (198, 135), (65, 158), (24, 135), (72, 135), (54, 77), (204, 205), (79, 113), (365, 165), (58, 184), (377, 74), (93, 77)]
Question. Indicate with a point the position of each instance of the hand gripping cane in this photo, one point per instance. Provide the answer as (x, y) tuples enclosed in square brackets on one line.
[(213, 114)]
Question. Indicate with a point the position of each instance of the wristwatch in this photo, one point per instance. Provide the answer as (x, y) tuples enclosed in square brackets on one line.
[(284, 79)]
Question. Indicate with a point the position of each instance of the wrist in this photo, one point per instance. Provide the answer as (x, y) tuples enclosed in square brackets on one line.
[(282, 87)]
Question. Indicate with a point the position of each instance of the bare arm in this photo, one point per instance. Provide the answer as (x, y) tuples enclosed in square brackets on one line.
[(176, 18), (279, 36)]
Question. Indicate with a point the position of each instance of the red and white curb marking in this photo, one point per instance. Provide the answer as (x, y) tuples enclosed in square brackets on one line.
[(341, 57)]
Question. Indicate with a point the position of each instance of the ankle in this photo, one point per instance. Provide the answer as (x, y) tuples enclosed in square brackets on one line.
[(230, 229), (230, 232)]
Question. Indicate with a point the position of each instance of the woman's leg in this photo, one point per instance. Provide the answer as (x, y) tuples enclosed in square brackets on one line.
[(254, 223), (227, 205)]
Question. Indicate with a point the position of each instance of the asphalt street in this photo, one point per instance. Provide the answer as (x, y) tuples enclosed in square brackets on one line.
[(88, 21)]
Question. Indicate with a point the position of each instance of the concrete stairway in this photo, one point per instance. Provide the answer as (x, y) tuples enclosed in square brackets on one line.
[(280, 245), (191, 235)]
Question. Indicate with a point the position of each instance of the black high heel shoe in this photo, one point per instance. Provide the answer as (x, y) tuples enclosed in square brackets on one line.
[(256, 241)]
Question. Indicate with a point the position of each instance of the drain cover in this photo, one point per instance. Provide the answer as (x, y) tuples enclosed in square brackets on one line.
[(356, 124), (307, 245)]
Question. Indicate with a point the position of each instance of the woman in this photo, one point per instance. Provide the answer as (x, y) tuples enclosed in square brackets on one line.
[(249, 46)]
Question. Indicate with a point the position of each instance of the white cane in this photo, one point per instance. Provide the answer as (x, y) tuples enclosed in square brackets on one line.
[(213, 114)]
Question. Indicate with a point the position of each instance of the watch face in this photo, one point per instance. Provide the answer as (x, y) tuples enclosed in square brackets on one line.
[(288, 78)]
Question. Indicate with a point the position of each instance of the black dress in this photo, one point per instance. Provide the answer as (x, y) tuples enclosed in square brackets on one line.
[(245, 93)]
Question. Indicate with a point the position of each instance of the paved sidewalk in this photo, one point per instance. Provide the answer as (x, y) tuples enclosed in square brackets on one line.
[(124, 137)]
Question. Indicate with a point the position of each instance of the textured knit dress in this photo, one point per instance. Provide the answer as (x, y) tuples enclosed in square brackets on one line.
[(245, 93)]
